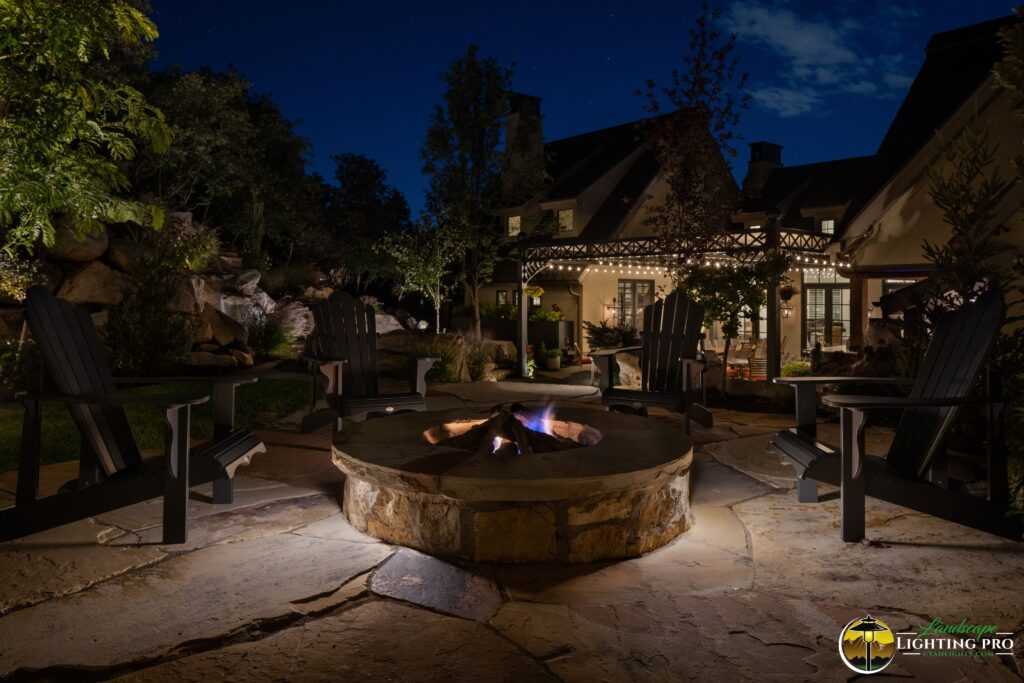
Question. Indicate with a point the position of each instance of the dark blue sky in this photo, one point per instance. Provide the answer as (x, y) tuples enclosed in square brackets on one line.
[(827, 77)]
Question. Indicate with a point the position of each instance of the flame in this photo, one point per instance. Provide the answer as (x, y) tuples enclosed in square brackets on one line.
[(541, 421), (498, 443)]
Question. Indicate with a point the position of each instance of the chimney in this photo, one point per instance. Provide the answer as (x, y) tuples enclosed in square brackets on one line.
[(524, 137), (765, 157)]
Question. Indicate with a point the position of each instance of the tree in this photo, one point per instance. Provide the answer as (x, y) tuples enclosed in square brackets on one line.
[(968, 194), (66, 121), (463, 157), (729, 291), (695, 132), (424, 260), (361, 209)]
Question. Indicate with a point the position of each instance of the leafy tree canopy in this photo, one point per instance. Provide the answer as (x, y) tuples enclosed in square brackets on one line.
[(360, 210), (65, 121)]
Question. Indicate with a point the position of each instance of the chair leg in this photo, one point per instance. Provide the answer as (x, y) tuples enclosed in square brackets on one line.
[(223, 491), (806, 491), (176, 475), (852, 475)]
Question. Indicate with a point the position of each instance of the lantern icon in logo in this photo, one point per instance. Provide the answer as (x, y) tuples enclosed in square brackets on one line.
[(867, 645)]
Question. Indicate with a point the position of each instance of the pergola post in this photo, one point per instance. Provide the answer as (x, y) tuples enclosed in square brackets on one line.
[(522, 327), (858, 311), (774, 355)]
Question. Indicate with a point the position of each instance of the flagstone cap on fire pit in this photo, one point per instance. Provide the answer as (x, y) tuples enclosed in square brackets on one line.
[(395, 452)]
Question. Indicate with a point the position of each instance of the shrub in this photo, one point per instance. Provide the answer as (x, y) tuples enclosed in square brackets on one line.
[(143, 334), (16, 275), (16, 363), (268, 333), (542, 315), (605, 336), (796, 368), (196, 244), (477, 358)]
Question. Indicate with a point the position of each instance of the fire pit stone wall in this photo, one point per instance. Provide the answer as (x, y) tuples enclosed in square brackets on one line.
[(622, 497)]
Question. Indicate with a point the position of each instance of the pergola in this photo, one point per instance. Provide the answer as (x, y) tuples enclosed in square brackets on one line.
[(649, 254)]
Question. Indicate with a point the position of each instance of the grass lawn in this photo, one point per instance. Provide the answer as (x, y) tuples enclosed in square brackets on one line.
[(258, 405)]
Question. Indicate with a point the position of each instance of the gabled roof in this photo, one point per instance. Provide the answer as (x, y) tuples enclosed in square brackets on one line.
[(826, 183), (621, 201), (577, 162), (956, 63)]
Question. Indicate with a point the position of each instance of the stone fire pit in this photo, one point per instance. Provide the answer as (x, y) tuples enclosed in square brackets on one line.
[(622, 496)]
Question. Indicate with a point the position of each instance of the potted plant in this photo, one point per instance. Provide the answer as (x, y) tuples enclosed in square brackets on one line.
[(553, 359), (787, 292)]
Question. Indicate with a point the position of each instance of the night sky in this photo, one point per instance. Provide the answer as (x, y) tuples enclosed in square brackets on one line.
[(362, 77)]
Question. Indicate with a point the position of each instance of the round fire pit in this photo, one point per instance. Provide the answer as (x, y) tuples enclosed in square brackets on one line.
[(620, 489)]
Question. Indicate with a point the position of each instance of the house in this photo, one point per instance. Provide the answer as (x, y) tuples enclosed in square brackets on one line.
[(867, 216), (601, 185)]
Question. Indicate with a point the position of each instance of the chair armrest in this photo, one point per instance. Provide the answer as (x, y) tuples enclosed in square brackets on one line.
[(693, 361), (165, 400), (237, 381), (796, 381), (864, 402), (322, 360), (612, 352), (418, 380)]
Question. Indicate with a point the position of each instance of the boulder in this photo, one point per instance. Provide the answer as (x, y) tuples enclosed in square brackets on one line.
[(407, 321), (629, 369), (179, 220), (212, 348), (387, 323), (203, 331), (223, 329), (244, 358), (240, 307), (246, 282), (228, 262), (206, 359), (317, 292), (125, 255), (499, 350), (191, 296), (96, 283), (69, 247)]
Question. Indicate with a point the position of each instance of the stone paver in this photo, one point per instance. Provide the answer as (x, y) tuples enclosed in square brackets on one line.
[(279, 586), (377, 641), (206, 594), (922, 564), (244, 523), (63, 560), (421, 579)]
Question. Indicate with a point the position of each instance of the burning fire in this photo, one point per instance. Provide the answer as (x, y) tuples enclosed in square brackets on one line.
[(539, 421)]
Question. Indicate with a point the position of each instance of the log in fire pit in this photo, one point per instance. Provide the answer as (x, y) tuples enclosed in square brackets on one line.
[(518, 484)]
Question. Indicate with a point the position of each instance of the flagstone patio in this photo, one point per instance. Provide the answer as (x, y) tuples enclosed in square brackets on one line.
[(278, 586)]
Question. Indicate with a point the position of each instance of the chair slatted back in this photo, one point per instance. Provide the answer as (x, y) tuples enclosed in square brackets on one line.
[(347, 328), (959, 346), (671, 331), (76, 364)]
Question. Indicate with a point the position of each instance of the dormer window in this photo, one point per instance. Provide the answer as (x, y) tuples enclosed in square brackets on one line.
[(565, 220), (828, 226), (515, 225)]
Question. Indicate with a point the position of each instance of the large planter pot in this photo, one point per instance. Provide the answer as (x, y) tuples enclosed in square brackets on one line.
[(553, 363), (554, 335)]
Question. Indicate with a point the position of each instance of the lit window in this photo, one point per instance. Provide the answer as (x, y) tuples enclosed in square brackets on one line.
[(565, 220), (755, 227), (828, 226), (515, 225)]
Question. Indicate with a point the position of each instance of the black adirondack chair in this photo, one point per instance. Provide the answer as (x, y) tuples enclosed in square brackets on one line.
[(345, 351), (112, 472), (672, 376), (912, 473)]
